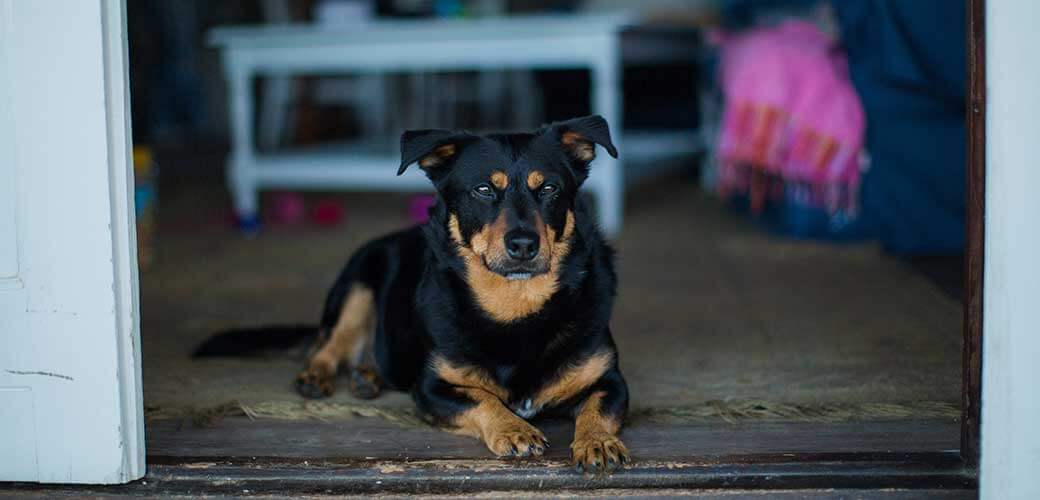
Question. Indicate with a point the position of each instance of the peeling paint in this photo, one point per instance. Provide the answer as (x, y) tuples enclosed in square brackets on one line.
[(45, 374)]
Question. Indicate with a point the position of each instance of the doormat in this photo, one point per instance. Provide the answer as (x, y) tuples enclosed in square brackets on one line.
[(729, 411), (759, 410)]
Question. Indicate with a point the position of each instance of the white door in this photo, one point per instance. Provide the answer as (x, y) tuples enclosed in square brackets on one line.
[(70, 397)]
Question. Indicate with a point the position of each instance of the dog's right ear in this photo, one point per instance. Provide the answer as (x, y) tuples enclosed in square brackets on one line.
[(432, 149)]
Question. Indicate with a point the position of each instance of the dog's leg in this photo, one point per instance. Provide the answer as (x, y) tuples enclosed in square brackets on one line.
[(477, 410), (504, 433), (364, 379), (346, 342), (596, 447)]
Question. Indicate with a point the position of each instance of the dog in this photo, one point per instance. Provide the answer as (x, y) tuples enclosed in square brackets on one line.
[(494, 311)]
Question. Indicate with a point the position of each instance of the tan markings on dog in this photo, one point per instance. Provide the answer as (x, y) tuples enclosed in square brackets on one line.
[(535, 179), (503, 300), (591, 419), (500, 180), (350, 334), (596, 446), (438, 157), (502, 431), (489, 242), (468, 377), (574, 379), (580, 147)]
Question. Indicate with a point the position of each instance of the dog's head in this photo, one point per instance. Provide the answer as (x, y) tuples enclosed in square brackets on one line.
[(509, 197)]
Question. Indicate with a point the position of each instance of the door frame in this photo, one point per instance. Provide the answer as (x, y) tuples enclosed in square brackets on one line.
[(124, 234), (1010, 447), (73, 300), (975, 226), (957, 468)]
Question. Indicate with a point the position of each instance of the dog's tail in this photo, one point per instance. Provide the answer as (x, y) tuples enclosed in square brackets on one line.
[(245, 342)]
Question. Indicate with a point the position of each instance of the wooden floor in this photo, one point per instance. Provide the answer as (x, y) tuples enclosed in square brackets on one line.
[(373, 456), (377, 439), (239, 457)]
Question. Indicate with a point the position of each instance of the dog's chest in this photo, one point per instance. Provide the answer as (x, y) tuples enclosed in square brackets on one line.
[(522, 388)]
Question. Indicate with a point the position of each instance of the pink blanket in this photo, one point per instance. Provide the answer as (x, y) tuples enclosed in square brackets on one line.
[(793, 124)]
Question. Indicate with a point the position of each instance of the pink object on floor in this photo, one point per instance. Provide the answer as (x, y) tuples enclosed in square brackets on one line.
[(287, 208), (327, 212), (419, 207)]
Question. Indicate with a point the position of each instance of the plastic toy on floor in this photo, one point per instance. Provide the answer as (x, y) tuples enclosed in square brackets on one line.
[(287, 208), (327, 212), (291, 208)]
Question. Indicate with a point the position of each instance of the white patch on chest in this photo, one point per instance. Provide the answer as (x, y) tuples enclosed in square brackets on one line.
[(525, 409)]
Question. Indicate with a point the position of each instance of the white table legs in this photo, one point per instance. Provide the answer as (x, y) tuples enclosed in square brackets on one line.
[(274, 111), (606, 174), (240, 168)]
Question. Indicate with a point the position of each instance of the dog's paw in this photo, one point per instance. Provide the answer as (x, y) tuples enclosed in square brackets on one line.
[(599, 453), (365, 383), (314, 384), (517, 439)]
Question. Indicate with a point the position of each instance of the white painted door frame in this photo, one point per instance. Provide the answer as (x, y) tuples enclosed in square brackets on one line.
[(1011, 297), (70, 365), (71, 341)]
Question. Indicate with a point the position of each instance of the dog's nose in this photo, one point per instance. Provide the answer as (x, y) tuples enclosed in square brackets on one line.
[(522, 245)]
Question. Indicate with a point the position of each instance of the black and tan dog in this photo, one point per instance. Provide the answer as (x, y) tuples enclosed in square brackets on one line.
[(497, 309)]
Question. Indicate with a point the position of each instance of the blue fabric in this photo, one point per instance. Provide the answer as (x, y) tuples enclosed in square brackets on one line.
[(907, 61)]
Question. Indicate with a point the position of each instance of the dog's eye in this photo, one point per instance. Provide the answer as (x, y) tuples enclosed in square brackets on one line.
[(484, 191), (548, 189)]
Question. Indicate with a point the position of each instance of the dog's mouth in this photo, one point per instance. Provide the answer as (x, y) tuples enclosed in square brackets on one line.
[(518, 271)]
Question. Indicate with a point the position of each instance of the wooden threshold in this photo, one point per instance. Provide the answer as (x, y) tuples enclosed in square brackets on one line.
[(863, 475), (375, 456), (378, 439), (792, 471)]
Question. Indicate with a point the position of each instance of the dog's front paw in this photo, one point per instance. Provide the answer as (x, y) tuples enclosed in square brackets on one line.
[(314, 384), (516, 438), (598, 453), (365, 383)]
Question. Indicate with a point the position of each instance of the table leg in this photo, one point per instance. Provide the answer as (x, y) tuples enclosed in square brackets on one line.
[(240, 168), (273, 111), (607, 172)]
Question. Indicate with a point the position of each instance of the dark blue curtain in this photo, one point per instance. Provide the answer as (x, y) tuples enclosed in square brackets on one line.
[(907, 61)]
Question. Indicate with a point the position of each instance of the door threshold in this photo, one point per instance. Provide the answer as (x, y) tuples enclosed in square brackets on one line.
[(914, 473)]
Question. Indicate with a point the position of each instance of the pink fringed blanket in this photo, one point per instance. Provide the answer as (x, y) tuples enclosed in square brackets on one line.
[(793, 125)]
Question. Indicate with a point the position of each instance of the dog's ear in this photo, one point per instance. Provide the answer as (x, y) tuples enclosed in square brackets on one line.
[(432, 149), (579, 137)]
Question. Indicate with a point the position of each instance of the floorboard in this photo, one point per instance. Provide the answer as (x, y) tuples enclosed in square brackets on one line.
[(238, 457), (370, 438)]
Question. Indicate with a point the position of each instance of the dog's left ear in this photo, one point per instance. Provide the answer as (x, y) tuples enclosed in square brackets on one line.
[(434, 150), (579, 137)]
